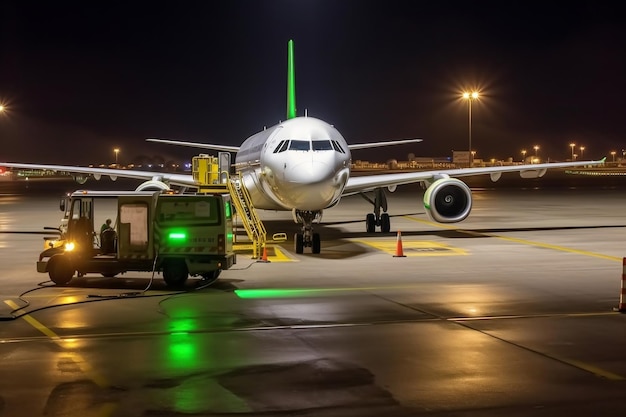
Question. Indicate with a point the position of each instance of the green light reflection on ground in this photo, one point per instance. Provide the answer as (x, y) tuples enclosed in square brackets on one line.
[(279, 292)]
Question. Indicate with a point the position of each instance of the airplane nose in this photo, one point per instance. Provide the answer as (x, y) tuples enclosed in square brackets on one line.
[(309, 185), (309, 172)]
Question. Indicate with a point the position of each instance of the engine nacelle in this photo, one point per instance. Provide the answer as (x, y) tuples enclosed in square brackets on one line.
[(153, 185), (448, 200)]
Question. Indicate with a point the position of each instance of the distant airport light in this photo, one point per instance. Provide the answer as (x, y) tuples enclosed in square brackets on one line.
[(470, 97), (572, 145)]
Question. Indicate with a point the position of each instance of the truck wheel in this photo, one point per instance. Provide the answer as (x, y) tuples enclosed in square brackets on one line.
[(60, 269), (175, 272)]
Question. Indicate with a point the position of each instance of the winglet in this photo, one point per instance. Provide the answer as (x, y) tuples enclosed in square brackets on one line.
[(291, 82)]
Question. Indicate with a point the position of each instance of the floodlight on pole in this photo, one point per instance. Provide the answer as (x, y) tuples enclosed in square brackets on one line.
[(572, 145), (117, 151), (470, 97), (582, 149)]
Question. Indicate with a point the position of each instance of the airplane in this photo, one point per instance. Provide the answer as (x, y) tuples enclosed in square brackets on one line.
[(302, 165)]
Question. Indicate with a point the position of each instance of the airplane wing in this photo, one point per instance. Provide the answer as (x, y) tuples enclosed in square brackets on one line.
[(223, 148), (377, 144), (371, 182), (183, 180)]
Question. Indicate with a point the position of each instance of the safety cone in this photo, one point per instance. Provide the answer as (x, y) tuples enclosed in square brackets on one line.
[(622, 303), (399, 251), (264, 257)]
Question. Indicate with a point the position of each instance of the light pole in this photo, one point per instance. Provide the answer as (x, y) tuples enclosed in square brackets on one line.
[(470, 97), (523, 155), (582, 149), (572, 145), (536, 148), (613, 155), (116, 150)]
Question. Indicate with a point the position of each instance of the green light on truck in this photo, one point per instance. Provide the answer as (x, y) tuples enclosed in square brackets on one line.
[(227, 209), (177, 236)]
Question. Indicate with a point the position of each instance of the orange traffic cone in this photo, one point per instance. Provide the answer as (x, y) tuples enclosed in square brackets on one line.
[(399, 251), (264, 257), (622, 303)]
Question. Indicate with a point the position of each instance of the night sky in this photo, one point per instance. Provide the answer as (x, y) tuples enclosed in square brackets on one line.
[(81, 79)]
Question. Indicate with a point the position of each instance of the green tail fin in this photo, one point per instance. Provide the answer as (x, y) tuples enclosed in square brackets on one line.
[(291, 82)]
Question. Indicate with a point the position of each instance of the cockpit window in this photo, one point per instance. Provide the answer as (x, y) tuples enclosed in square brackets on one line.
[(277, 148), (338, 147), (282, 146), (322, 145), (299, 145)]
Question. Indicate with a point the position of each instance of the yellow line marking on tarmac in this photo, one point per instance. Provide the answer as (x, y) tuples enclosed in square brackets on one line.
[(593, 369), (279, 256), (84, 366), (522, 241), (274, 254), (413, 247)]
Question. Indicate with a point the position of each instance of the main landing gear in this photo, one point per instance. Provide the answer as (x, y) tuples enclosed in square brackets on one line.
[(377, 218), (307, 239)]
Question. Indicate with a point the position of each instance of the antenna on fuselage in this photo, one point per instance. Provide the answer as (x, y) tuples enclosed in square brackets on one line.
[(291, 82)]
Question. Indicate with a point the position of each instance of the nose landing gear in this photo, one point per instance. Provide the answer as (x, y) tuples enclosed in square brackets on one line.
[(307, 239)]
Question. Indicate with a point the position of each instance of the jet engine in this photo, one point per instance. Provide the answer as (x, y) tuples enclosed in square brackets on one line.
[(448, 200), (153, 185)]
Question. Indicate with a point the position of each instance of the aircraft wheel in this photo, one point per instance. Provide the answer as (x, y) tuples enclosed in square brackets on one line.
[(175, 272), (109, 274), (60, 269), (370, 223), (317, 243), (385, 223), (299, 242)]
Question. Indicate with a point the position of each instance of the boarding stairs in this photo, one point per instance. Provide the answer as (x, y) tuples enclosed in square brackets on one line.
[(251, 222)]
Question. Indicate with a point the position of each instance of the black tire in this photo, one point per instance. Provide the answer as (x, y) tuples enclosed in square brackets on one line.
[(60, 269), (370, 223), (109, 274), (299, 242), (317, 243), (385, 223), (175, 272)]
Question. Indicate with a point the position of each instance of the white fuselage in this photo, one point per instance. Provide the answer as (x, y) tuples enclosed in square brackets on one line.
[(302, 163)]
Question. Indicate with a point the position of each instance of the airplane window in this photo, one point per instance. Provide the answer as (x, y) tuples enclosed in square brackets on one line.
[(277, 149), (322, 145), (338, 147), (300, 145)]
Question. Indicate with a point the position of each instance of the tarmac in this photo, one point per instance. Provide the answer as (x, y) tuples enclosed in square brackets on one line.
[(510, 312)]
